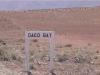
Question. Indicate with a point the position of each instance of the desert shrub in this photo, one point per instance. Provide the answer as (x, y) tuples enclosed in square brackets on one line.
[(84, 69), (4, 56), (35, 40), (13, 57), (32, 67), (62, 58), (89, 44), (83, 56), (68, 45), (2, 42), (7, 54), (45, 58), (82, 59), (20, 41), (97, 51)]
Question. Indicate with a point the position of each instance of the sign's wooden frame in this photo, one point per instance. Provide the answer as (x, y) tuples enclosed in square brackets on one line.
[(39, 34)]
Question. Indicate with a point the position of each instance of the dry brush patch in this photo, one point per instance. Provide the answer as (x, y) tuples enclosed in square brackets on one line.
[(8, 53), (77, 61), (68, 60)]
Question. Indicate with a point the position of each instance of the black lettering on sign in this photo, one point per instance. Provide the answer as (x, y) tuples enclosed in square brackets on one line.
[(50, 34), (36, 34), (33, 34), (47, 35), (30, 35)]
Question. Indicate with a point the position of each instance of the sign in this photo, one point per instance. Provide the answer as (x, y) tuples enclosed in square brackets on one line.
[(37, 35)]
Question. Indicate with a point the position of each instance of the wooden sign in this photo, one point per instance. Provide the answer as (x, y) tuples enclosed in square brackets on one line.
[(37, 35)]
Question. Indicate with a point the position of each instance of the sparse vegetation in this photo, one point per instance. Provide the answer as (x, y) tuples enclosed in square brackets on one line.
[(6, 54), (68, 45), (35, 40), (62, 58), (73, 26), (2, 42), (82, 59)]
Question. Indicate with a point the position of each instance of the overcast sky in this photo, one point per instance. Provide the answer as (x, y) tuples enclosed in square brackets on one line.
[(49, 0), (45, 4)]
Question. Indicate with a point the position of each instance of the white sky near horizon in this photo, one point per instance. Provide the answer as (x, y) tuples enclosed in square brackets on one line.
[(49, 0), (45, 4)]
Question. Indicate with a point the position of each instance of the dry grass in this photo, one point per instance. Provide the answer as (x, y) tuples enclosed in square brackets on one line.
[(68, 60)]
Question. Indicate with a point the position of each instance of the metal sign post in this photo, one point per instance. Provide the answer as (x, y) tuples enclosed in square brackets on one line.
[(39, 34)]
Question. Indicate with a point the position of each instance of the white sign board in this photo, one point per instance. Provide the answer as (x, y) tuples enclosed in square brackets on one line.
[(39, 34)]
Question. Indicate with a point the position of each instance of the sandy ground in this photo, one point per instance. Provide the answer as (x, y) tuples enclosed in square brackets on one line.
[(77, 24), (76, 29)]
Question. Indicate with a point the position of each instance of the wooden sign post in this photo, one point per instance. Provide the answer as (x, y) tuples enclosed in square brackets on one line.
[(36, 35)]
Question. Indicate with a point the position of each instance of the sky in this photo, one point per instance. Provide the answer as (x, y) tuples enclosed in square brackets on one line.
[(45, 4)]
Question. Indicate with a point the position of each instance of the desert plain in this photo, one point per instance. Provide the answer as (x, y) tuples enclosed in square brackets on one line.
[(77, 41)]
